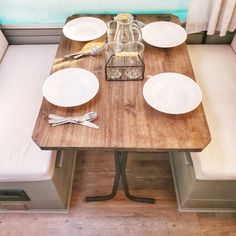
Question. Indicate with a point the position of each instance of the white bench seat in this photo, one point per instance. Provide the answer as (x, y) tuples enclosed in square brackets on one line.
[(22, 73), (215, 71), (30, 179), (206, 181)]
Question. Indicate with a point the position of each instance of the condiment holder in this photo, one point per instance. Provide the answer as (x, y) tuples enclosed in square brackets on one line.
[(124, 62)]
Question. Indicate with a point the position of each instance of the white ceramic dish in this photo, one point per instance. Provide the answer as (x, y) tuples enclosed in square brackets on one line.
[(84, 29), (164, 34), (172, 93), (70, 87)]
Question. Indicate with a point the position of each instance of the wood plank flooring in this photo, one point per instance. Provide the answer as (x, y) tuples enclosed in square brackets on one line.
[(148, 175)]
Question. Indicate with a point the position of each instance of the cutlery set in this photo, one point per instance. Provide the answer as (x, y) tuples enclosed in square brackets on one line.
[(95, 50), (84, 120)]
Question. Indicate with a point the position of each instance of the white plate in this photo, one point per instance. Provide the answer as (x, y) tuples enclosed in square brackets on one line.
[(172, 93), (84, 29), (164, 34), (70, 87)]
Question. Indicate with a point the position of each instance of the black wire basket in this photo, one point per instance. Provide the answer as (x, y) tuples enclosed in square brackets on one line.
[(124, 68)]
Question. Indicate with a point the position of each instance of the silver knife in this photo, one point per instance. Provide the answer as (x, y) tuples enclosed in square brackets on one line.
[(85, 123), (89, 124)]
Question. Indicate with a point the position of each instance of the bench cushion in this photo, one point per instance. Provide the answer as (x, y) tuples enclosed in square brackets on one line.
[(22, 73), (215, 70)]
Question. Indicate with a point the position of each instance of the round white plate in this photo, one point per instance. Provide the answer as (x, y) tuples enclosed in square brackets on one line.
[(70, 87), (84, 29), (164, 34), (172, 93)]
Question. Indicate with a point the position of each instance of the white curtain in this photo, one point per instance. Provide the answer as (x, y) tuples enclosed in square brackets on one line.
[(3, 45), (233, 44), (211, 16)]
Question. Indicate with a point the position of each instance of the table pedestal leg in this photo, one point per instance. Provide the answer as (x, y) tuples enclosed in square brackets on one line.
[(125, 183), (115, 183), (120, 172)]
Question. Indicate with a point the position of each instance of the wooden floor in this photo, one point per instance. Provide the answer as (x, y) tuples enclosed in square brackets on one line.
[(149, 175)]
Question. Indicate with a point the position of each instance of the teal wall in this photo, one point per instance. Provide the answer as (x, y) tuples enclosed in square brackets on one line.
[(56, 11)]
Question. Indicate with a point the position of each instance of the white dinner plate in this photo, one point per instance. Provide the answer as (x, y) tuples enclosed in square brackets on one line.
[(84, 29), (70, 87), (164, 34), (172, 93)]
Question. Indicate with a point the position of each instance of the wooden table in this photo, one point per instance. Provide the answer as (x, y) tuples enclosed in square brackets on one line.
[(126, 121)]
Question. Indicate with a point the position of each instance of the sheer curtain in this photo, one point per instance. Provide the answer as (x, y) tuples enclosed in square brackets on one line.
[(211, 16), (233, 44), (3, 45)]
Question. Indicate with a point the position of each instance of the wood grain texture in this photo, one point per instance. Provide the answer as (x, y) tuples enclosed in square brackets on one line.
[(120, 216), (126, 121)]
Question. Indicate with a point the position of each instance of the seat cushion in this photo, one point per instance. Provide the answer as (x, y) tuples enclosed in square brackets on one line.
[(215, 70), (22, 73)]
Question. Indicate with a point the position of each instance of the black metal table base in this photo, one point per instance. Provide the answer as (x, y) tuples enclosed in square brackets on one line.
[(120, 172)]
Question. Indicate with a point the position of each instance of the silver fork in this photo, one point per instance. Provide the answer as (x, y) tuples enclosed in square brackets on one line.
[(93, 52)]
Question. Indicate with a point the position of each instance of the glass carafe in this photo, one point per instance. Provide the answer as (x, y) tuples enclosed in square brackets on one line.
[(125, 29)]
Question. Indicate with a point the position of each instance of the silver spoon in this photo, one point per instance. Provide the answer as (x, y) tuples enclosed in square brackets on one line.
[(86, 117)]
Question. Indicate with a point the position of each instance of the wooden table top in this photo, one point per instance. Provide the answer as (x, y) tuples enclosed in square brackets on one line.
[(126, 121)]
